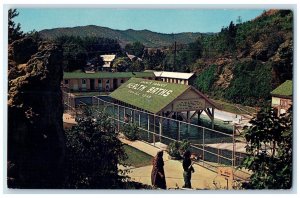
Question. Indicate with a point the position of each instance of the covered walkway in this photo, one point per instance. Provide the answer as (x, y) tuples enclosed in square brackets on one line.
[(164, 99)]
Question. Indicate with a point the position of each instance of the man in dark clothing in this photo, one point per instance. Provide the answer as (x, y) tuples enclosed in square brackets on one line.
[(187, 169)]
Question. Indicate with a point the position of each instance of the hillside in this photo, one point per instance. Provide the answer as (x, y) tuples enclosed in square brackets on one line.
[(148, 38), (250, 59), (241, 64)]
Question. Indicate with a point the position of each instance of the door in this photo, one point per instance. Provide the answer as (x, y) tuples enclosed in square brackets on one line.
[(115, 83), (92, 84)]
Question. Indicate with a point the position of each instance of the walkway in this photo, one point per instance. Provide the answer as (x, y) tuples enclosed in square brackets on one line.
[(201, 179)]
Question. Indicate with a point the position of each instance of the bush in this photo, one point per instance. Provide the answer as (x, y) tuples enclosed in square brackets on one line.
[(176, 149), (206, 79), (93, 153), (131, 131)]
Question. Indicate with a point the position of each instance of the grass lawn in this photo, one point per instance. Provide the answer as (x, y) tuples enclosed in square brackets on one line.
[(137, 158)]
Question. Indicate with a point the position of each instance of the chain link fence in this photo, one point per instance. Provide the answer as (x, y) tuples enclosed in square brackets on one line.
[(213, 148)]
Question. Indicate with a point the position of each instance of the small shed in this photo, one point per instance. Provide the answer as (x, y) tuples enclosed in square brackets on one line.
[(164, 99), (282, 97)]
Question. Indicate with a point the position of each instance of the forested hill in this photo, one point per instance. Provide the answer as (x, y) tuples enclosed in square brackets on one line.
[(245, 62), (148, 38)]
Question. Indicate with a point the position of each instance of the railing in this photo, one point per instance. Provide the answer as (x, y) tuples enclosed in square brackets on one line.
[(213, 148)]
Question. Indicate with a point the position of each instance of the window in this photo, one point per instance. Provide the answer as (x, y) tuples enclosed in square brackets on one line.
[(99, 81), (66, 82), (107, 82), (83, 81), (122, 81), (283, 103)]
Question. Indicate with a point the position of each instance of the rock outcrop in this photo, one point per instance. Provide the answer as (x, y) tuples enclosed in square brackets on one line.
[(36, 141)]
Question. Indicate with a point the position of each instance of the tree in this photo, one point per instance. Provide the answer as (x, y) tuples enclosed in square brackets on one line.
[(94, 151), (136, 48), (122, 64), (14, 30), (154, 59), (270, 150)]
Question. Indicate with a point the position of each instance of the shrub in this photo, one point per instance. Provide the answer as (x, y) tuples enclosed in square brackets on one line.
[(131, 131), (176, 149), (93, 153)]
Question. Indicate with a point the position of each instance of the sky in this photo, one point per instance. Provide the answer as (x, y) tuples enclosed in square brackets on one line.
[(157, 20)]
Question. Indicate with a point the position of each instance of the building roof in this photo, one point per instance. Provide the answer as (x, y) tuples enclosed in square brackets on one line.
[(153, 96), (79, 75), (133, 57), (178, 75), (108, 58), (149, 95), (285, 89)]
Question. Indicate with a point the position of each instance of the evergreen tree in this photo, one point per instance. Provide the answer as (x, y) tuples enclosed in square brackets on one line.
[(136, 48), (14, 30)]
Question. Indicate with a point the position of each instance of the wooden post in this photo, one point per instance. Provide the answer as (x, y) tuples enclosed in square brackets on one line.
[(233, 147), (154, 129), (203, 142), (178, 136), (188, 116), (139, 119), (124, 113), (118, 117), (188, 120), (160, 128), (213, 117), (148, 126)]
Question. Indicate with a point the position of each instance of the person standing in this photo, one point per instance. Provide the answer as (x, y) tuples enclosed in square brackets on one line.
[(187, 169), (158, 175)]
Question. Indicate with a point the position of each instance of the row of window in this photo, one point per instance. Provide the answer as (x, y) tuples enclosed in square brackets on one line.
[(171, 80), (83, 81)]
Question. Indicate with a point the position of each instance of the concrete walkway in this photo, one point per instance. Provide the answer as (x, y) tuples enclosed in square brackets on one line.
[(201, 179)]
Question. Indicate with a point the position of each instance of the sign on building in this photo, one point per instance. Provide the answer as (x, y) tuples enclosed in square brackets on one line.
[(188, 105)]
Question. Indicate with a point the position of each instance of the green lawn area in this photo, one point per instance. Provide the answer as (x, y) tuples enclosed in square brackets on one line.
[(137, 158)]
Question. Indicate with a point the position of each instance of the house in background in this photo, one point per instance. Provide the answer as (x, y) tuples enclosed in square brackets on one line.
[(108, 61), (175, 77), (99, 81), (133, 57), (94, 81), (282, 97)]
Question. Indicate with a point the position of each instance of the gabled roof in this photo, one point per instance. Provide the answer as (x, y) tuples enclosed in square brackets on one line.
[(150, 95), (178, 75), (133, 57), (80, 75), (285, 89)]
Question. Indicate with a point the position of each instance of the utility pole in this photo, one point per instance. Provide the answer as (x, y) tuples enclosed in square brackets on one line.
[(239, 20), (174, 61)]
